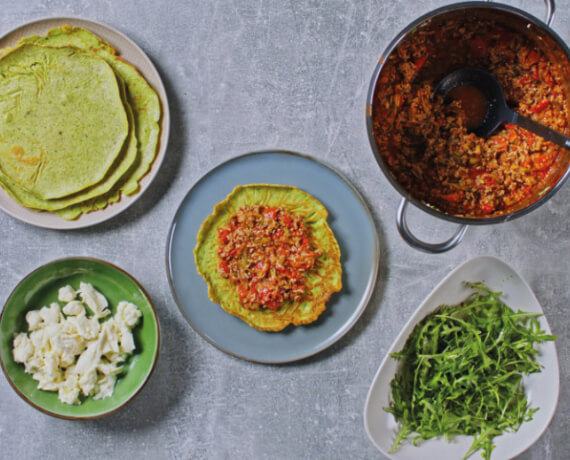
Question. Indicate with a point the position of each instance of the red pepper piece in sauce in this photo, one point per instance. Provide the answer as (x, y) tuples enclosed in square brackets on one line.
[(419, 63), (242, 291), (224, 267), (535, 74), (542, 161), (272, 304), (223, 235), (540, 175), (234, 251), (454, 197), (525, 190), (289, 274), (526, 162), (548, 78), (270, 213), (532, 58), (487, 208), (501, 143), (489, 181), (264, 294), (540, 106), (269, 299), (528, 136), (525, 80)]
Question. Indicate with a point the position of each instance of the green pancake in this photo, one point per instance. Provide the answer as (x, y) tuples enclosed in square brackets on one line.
[(142, 98), (93, 204), (63, 119), (321, 282), (83, 201)]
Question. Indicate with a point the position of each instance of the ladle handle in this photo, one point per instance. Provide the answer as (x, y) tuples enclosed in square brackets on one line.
[(413, 241), (541, 130)]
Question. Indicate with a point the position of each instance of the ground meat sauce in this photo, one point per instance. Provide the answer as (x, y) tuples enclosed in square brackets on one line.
[(266, 252), (426, 143)]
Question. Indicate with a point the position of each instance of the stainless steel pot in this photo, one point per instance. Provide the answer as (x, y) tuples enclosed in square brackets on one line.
[(512, 17)]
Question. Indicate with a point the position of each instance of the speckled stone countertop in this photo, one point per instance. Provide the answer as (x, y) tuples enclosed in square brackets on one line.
[(243, 76)]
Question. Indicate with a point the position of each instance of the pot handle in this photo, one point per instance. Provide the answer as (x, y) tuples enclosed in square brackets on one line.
[(432, 248), (550, 8)]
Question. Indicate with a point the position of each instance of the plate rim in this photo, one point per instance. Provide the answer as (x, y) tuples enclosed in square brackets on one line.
[(372, 280), (495, 259), (155, 357), (162, 147)]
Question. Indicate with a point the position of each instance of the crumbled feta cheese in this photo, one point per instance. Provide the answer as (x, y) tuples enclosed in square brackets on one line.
[(128, 313), (51, 314), (33, 319), (69, 344), (76, 354), (87, 381), (66, 294), (68, 392), (105, 384), (23, 348), (87, 328), (127, 340), (96, 302), (74, 308)]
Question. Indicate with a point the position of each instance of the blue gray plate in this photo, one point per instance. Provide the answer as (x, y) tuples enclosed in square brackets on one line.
[(349, 219)]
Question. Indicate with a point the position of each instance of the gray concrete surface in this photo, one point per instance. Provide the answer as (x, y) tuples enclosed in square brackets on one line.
[(244, 76)]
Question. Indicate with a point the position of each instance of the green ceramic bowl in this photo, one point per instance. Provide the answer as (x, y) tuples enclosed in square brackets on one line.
[(40, 288)]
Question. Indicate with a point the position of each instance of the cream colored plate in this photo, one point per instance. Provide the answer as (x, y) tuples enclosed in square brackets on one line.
[(131, 52)]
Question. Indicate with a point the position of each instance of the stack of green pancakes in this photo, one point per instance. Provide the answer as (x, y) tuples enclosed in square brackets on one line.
[(79, 126)]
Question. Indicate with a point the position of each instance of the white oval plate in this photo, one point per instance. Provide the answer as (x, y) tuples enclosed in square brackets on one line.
[(131, 52), (542, 388)]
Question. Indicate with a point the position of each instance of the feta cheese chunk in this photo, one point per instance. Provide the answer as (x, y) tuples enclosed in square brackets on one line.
[(23, 348), (105, 386), (128, 313), (87, 328), (96, 302), (74, 308), (51, 314), (66, 294), (34, 320), (68, 391)]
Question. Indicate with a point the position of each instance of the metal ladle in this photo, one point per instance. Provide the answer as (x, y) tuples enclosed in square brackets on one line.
[(498, 111)]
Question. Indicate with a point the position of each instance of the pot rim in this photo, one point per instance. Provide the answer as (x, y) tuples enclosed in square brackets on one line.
[(374, 81)]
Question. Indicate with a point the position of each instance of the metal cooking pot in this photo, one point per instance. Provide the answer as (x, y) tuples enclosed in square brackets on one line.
[(513, 18)]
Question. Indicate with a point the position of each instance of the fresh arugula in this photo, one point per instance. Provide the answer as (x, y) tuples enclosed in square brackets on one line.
[(461, 372)]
